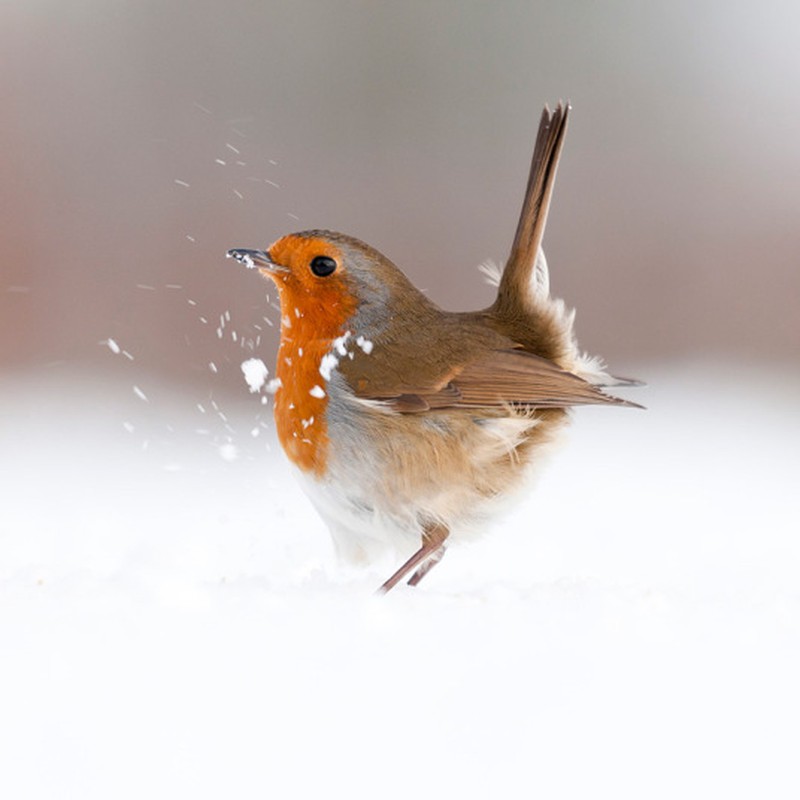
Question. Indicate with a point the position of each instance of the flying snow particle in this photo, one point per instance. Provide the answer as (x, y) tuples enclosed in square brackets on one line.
[(255, 373), (113, 347), (140, 394), (317, 391)]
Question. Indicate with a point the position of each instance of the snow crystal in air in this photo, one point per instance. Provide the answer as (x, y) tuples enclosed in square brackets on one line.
[(140, 394), (272, 387), (113, 346), (181, 183), (255, 373), (212, 366), (317, 391)]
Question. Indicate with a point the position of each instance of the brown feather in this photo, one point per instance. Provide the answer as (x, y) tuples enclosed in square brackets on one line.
[(533, 217), (499, 379)]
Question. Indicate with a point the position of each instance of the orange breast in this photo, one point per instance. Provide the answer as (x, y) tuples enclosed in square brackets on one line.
[(314, 313), (301, 402)]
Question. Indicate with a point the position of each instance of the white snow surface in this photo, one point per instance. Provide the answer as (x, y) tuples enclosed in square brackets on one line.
[(173, 624)]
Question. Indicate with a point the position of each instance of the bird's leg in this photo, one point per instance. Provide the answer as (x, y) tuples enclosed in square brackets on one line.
[(427, 566), (433, 538)]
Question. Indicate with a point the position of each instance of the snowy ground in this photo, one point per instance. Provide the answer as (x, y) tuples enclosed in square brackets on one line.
[(172, 622)]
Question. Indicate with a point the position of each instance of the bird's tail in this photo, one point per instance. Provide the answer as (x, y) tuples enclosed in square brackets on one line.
[(517, 275)]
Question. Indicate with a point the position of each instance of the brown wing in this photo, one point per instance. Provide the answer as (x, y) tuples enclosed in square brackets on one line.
[(502, 378)]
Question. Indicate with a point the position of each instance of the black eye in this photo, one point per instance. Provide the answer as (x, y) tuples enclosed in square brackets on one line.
[(322, 266)]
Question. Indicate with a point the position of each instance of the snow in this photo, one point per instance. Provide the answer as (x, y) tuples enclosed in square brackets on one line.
[(340, 343), (327, 364), (255, 373), (365, 344), (173, 624)]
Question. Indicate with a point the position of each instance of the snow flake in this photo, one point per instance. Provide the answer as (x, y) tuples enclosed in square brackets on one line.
[(255, 373), (365, 344), (328, 363), (339, 344)]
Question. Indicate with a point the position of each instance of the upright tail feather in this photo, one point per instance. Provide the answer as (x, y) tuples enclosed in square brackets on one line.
[(530, 229)]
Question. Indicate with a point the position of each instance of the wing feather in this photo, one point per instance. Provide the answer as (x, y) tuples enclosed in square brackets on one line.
[(504, 378)]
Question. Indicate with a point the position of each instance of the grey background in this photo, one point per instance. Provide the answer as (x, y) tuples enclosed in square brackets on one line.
[(674, 227)]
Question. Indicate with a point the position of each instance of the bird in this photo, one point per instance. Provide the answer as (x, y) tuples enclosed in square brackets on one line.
[(410, 426)]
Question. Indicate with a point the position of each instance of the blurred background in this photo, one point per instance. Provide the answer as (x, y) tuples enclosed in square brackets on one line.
[(141, 140)]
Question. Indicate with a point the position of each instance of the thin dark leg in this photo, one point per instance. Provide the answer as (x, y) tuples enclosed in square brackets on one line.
[(425, 568), (433, 539)]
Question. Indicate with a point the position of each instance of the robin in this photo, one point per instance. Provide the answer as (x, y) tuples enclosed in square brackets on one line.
[(410, 425)]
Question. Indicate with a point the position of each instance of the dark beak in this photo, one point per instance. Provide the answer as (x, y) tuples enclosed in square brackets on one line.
[(257, 259)]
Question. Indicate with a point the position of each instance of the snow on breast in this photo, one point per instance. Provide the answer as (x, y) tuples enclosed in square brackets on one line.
[(327, 364)]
